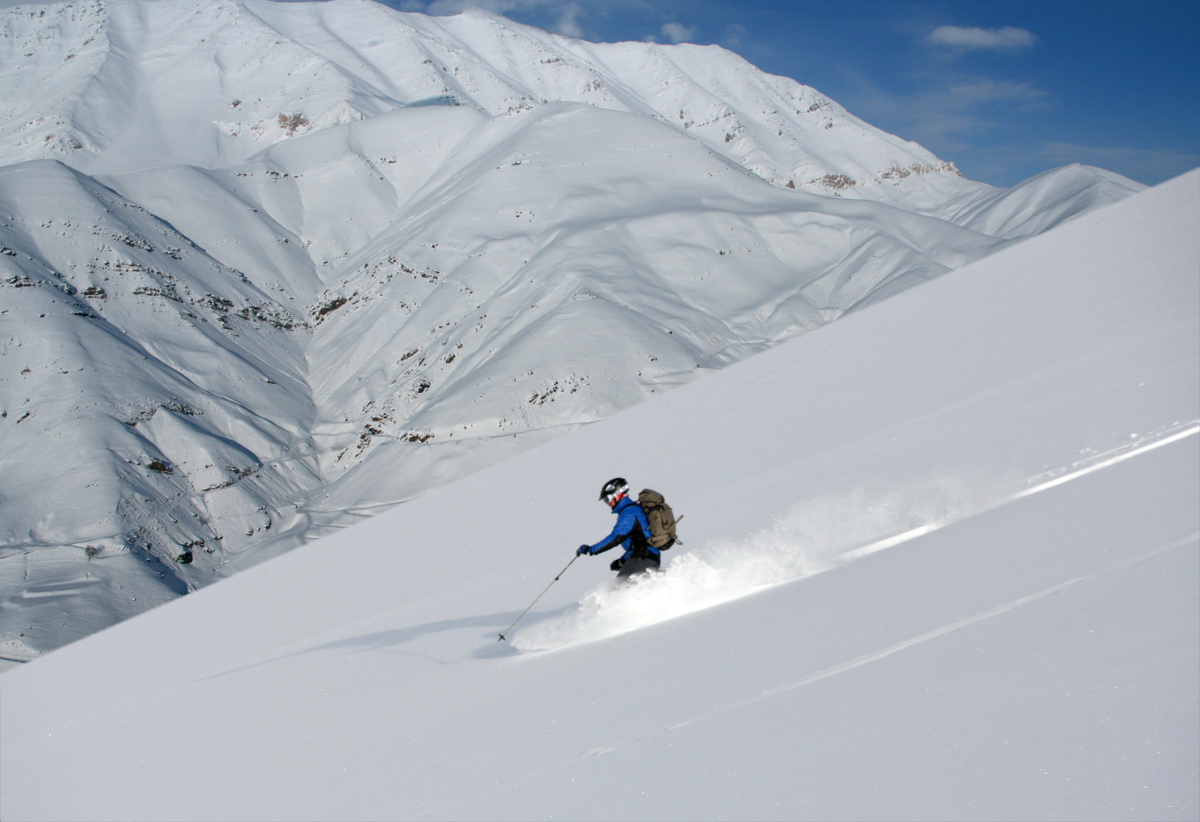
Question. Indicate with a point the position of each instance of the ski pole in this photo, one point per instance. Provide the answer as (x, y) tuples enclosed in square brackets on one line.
[(539, 596)]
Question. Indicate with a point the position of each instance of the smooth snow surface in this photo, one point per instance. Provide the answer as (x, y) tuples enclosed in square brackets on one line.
[(267, 269), (941, 561)]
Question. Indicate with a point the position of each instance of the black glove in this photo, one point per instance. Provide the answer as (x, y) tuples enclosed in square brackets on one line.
[(616, 565), (583, 549)]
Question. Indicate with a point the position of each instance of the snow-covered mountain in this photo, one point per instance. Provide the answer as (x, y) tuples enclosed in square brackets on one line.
[(114, 85), (267, 268), (939, 562)]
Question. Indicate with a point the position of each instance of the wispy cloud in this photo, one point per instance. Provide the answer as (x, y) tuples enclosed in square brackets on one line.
[(568, 20), (964, 38), (448, 7), (738, 38), (949, 110), (678, 32), (565, 14), (982, 92), (951, 107)]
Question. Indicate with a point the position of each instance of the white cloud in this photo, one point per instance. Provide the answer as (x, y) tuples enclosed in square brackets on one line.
[(447, 7), (568, 21), (678, 32), (736, 36), (954, 112), (565, 14), (982, 91), (1008, 38)]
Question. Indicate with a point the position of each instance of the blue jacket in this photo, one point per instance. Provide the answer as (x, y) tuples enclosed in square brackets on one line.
[(631, 532)]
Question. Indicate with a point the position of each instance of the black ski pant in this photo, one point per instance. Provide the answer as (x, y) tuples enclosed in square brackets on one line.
[(638, 565)]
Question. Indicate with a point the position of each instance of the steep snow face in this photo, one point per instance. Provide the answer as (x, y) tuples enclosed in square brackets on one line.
[(940, 562), (134, 370), (270, 267), (575, 273), (197, 83)]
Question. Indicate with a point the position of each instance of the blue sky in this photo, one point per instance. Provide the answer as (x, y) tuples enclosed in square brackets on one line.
[(1003, 89)]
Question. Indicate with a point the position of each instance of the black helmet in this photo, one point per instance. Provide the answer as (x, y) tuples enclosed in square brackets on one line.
[(613, 490)]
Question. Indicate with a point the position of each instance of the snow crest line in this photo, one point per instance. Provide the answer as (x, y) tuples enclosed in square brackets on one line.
[(1120, 456), (962, 623), (866, 659), (1194, 428)]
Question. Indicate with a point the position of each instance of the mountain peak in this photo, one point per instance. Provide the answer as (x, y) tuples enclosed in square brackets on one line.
[(209, 84)]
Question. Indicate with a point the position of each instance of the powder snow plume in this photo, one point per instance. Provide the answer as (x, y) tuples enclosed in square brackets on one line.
[(810, 537)]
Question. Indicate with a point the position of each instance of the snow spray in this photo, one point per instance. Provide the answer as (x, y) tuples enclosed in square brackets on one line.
[(810, 537)]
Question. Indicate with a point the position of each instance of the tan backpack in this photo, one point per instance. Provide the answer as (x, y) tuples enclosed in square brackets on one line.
[(662, 520)]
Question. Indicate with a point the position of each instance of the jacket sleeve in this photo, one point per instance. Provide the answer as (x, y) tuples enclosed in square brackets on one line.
[(620, 532)]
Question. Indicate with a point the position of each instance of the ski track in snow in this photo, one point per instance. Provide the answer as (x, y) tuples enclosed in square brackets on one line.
[(812, 537), (866, 659)]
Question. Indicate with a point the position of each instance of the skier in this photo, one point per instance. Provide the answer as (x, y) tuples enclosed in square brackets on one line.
[(631, 532)]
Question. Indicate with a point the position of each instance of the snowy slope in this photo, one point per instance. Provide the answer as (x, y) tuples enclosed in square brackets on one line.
[(267, 268), (940, 561), (124, 85)]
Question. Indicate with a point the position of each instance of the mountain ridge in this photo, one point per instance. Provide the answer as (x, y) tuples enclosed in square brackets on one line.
[(344, 85), (286, 313)]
